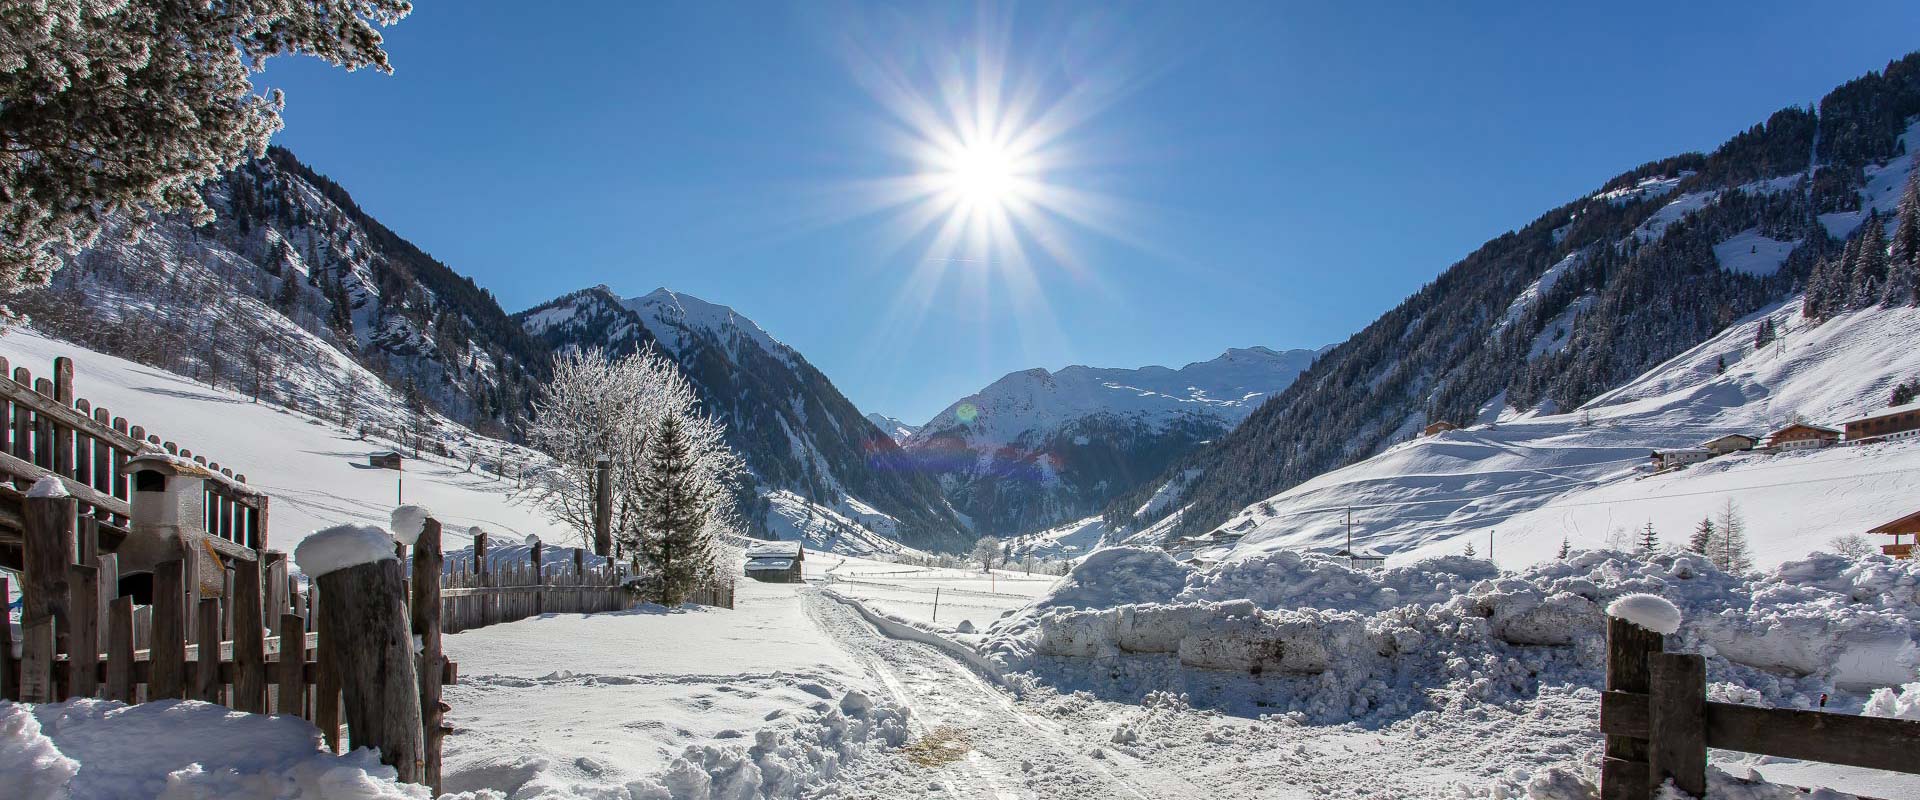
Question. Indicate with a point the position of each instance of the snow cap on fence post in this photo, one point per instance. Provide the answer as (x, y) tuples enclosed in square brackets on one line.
[(407, 522), (533, 539), (49, 486), (342, 546), (1649, 611)]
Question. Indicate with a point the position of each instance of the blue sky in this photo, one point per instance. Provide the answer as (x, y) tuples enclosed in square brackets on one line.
[(1266, 173)]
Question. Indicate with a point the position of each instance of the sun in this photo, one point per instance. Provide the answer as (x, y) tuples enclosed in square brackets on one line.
[(981, 176)]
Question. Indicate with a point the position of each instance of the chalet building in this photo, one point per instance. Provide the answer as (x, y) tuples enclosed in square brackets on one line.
[(1908, 525), (1670, 459), (1802, 436), (1362, 558), (1730, 443), (775, 562), (385, 459), (1438, 427), (1887, 424)]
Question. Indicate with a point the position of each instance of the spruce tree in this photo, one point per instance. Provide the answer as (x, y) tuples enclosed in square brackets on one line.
[(1566, 547), (1903, 259), (1649, 540), (1470, 551), (1703, 536), (1728, 550), (673, 515), (1870, 271), (1764, 336)]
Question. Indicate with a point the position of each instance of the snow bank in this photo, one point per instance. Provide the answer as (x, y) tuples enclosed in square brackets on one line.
[(342, 546), (408, 522), (1561, 783), (1359, 642), (1649, 611), (178, 750), (1903, 704)]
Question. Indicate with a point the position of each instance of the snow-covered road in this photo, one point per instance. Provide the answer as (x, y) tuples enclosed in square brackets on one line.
[(971, 740)]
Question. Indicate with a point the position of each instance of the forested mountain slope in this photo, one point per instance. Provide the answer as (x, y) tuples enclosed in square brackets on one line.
[(1581, 300)]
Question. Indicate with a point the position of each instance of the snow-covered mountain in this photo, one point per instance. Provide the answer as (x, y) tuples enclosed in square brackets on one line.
[(825, 474), (1037, 448), (1535, 480), (1581, 301), (295, 295), (891, 426)]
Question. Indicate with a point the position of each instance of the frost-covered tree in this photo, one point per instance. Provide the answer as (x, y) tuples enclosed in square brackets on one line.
[(985, 551), (1728, 548), (1852, 545), (1566, 548), (128, 107), (1470, 552), (681, 510)]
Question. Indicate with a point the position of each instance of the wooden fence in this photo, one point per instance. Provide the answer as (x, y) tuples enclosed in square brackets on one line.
[(490, 590), (46, 430), (254, 647), (1659, 724)]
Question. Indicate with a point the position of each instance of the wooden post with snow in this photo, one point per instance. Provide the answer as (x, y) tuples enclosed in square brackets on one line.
[(1624, 767), (364, 627), (539, 582), (483, 577), (603, 507), (427, 559), (47, 516)]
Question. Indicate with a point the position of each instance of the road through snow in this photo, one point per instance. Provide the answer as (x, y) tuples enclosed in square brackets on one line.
[(975, 741)]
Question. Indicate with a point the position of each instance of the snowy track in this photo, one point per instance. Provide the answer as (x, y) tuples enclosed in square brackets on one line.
[(986, 745)]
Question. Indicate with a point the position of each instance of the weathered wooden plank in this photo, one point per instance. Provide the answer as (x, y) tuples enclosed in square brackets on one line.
[(369, 646), (120, 650), (1624, 714), (83, 644), (1627, 648), (36, 661), (109, 566), (102, 453), (275, 602), (62, 434), (289, 668), (1624, 779), (326, 690), (1677, 742), (22, 412), (427, 563), (48, 551), (169, 638), (22, 470), (1871, 742), (249, 640), (206, 680), (8, 691)]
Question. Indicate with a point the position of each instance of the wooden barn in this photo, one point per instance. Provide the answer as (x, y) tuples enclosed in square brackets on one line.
[(775, 562), (1908, 525), (1802, 436), (1730, 443), (1438, 427), (384, 459), (1897, 422)]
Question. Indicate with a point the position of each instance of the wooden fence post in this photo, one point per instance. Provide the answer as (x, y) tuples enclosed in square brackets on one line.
[(364, 630), (168, 648), (120, 650), (206, 675), (36, 662), (249, 640), (47, 515), (1624, 770), (1677, 728), (538, 580), (7, 690), (483, 577), (427, 560), (290, 670), (83, 647), (603, 507)]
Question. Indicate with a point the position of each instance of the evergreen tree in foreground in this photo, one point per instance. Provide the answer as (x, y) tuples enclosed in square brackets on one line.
[(1703, 536), (1566, 547), (673, 511), (1649, 540), (1728, 549)]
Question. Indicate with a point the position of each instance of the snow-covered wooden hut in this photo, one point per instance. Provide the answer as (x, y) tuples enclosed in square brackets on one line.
[(775, 562), (1908, 525)]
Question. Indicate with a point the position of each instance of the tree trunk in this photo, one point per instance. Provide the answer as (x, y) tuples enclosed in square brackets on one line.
[(364, 624)]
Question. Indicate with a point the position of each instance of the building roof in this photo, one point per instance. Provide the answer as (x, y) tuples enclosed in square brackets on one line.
[(1717, 439), (1684, 451), (756, 564), (1807, 425), (1362, 553), (1886, 412), (774, 549), (1907, 524)]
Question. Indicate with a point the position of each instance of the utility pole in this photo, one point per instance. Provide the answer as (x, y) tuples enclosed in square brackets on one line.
[(1489, 544), (1349, 534)]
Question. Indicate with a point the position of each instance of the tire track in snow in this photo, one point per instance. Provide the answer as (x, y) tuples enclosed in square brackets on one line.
[(1013, 755)]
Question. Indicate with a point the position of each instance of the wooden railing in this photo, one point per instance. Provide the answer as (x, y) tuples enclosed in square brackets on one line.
[(488, 590), (46, 430), (1659, 724)]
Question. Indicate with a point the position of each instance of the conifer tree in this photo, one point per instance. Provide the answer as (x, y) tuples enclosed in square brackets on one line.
[(1649, 540), (1764, 336), (1903, 259), (1703, 536), (673, 514), (1470, 551), (1870, 270), (1728, 549)]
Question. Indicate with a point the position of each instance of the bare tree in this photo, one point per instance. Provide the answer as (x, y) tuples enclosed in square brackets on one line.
[(985, 551), (1852, 545)]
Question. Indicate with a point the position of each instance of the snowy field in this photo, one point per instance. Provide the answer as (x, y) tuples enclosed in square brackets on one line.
[(315, 472), (909, 592), (568, 705)]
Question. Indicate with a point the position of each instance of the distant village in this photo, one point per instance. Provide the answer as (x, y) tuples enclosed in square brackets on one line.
[(1894, 423)]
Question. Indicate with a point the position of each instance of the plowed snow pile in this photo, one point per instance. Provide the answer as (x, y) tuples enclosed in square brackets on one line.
[(1330, 643)]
